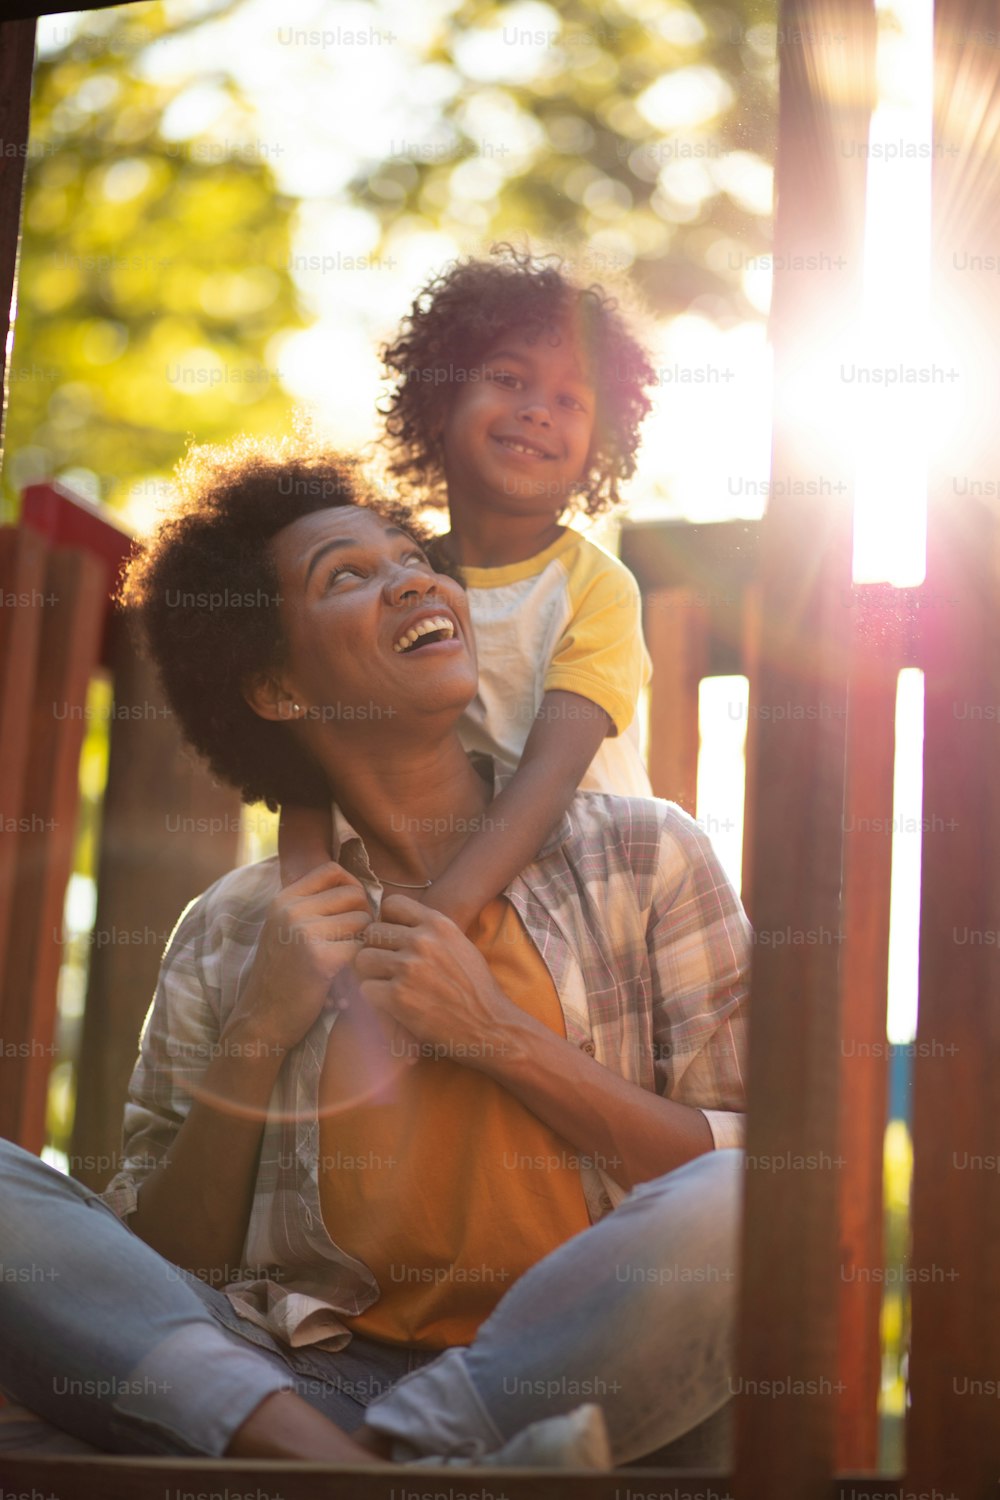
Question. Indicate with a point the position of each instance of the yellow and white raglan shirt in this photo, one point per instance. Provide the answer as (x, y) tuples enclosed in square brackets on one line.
[(568, 619)]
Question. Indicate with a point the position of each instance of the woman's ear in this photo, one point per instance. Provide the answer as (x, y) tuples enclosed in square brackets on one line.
[(269, 698)]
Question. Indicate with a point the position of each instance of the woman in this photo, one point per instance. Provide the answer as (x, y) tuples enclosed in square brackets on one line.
[(452, 1183)]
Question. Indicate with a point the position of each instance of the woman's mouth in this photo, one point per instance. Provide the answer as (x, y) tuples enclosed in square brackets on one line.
[(433, 630)]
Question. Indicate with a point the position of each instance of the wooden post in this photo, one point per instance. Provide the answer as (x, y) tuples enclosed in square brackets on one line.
[(168, 831), (67, 655), (676, 628), (17, 56), (751, 627), (788, 1380), (953, 1429), (22, 579), (879, 650)]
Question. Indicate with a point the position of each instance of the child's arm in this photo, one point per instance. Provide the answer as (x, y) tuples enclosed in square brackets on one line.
[(303, 840), (564, 739)]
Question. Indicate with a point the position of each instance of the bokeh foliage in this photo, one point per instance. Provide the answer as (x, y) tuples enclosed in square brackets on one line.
[(636, 135), (155, 272), (151, 279)]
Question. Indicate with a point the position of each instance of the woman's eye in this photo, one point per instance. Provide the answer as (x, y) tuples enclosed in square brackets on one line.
[(340, 572)]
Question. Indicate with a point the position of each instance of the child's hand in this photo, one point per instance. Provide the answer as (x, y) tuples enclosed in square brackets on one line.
[(304, 841)]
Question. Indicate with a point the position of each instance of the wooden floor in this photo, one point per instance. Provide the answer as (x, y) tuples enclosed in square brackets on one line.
[(224, 1479), (177, 1479)]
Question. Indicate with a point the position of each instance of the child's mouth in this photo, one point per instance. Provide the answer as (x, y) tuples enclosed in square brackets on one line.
[(526, 450)]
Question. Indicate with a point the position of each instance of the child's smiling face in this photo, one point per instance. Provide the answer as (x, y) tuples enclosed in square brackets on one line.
[(518, 433)]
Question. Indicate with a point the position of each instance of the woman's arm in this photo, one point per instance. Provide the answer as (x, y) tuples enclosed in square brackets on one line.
[(195, 1206), (565, 737)]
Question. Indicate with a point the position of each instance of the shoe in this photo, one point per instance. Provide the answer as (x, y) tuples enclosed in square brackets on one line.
[(577, 1440)]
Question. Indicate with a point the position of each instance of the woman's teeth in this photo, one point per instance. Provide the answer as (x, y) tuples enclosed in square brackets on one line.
[(425, 627)]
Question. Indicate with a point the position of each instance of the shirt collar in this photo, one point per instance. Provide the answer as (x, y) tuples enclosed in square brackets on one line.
[(349, 849)]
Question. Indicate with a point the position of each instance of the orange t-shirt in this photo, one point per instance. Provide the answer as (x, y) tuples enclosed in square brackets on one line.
[(442, 1182)]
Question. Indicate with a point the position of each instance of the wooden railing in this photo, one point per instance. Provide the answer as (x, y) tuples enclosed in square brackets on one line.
[(58, 570), (798, 1328), (701, 597)]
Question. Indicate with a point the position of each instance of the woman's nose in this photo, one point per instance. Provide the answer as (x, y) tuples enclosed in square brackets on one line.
[(404, 583)]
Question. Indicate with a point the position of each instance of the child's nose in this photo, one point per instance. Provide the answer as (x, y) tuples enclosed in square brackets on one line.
[(537, 413)]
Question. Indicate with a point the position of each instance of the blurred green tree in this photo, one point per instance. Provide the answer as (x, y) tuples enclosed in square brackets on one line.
[(639, 129), (635, 135), (153, 272)]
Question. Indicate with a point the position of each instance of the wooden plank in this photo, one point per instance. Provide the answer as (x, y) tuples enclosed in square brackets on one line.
[(953, 1427), (44, 852), (677, 633), (716, 562), (17, 56), (155, 1479), (878, 652), (750, 668), (787, 1376), (67, 520), (168, 831), (22, 587)]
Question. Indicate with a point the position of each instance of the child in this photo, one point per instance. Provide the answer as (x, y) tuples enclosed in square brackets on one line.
[(517, 393)]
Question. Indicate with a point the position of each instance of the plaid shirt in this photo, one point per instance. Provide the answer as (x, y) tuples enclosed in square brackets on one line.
[(648, 948)]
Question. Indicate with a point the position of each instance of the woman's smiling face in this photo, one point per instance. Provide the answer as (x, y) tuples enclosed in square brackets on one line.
[(372, 630)]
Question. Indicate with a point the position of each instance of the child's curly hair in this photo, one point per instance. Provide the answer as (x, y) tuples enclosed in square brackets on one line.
[(204, 591), (455, 320)]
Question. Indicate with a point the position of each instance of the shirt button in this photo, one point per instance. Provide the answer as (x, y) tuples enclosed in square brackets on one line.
[(666, 1049), (588, 1047), (605, 1202), (307, 1215)]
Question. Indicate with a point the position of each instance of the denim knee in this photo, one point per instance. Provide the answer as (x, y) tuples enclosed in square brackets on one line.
[(20, 1169), (698, 1207)]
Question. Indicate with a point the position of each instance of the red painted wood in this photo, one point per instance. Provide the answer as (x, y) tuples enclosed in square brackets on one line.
[(22, 588), (67, 520), (44, 843)]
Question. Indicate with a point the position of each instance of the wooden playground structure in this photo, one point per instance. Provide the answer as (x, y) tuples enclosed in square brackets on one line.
[(781, 610)]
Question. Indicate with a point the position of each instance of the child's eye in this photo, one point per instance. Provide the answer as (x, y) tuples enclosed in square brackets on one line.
[(505, 378)]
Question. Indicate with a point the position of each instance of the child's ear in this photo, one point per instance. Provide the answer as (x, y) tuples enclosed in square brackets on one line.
[(269, 698)]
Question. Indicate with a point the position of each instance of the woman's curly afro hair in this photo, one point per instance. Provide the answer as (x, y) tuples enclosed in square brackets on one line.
[(456, 319), (204, 592)]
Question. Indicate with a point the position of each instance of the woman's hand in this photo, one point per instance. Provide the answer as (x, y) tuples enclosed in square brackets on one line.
[(311, 934), (417, 967)]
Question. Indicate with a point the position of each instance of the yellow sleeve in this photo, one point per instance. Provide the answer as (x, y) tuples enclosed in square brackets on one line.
[(601, 654)]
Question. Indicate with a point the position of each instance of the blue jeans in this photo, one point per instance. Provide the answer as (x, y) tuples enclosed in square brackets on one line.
[(106, 1340)]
